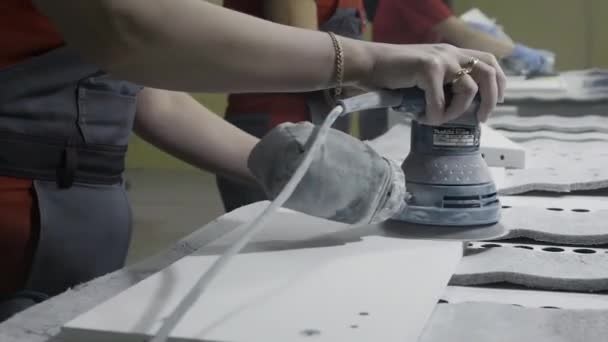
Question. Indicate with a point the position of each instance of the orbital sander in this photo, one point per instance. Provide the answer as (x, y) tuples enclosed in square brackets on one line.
[(450, 185), (448, 179)]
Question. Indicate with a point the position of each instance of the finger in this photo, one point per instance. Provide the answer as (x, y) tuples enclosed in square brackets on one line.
[(489, 59), (485, 76), (434, 96), (464, 90)]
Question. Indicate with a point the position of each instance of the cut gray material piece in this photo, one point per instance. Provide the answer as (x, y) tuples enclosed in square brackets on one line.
[(547, 269), (481, 322), (597, 200), (581, 124), (553, 224), (522, 137), (560, 166), (526, 298)]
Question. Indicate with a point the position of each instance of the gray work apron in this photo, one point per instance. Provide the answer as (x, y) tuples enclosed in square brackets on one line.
[(66, 124), (346, 22)]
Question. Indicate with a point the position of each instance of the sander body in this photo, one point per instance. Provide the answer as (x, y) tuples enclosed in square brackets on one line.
[(447, 177)]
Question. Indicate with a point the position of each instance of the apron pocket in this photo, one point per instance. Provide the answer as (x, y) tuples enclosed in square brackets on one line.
[(85, 232)]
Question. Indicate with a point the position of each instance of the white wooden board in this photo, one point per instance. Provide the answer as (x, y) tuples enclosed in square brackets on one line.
[(366, 289), (549, 84)]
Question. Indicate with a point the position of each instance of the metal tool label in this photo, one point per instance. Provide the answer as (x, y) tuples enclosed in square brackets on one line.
[(455, 136)]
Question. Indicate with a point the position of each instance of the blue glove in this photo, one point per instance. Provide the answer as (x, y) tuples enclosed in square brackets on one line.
[(528, 60)]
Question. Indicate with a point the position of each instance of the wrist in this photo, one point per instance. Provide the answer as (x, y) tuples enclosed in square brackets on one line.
[(358, 62)]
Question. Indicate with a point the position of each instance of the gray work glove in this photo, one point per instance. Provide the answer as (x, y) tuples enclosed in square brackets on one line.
[(347, 180)]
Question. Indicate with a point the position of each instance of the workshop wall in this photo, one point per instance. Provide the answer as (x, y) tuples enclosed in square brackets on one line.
[(575, 30)]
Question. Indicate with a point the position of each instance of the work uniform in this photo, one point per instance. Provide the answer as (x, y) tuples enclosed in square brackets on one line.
[(409, 21), (64, 129), (400, 22), (258, 113)]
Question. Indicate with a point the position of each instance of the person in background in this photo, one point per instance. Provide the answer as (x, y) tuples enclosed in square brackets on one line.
[(432, 21), (258, 113)]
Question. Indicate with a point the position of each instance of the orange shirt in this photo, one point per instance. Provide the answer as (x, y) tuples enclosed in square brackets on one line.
[(24, 32)]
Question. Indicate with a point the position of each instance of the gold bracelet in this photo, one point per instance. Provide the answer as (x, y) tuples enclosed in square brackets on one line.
[(339, 65)]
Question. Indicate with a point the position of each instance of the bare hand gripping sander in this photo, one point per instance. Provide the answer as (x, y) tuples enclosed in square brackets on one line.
[(446, 176)]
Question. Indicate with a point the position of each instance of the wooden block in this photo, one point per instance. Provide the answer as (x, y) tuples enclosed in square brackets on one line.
[(500, 151)]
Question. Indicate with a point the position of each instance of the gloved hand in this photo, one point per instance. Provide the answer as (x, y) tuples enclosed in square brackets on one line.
[(347, 180), (525, 60)]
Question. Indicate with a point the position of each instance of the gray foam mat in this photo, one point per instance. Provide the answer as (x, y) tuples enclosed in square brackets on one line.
[(565, 180), (560, 166), (522, 136), (483, 322), (580, 124), (551, 268), (578, 226)]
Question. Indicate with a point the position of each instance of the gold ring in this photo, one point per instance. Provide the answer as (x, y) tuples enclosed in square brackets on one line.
[(460, 74), (466, 70), (471, 64)]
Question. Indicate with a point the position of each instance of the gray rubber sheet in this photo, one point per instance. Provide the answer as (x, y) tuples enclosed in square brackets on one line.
[(559, 162), (551, 268), (484, 322), (567, 124), (522, 136), (554, 225)]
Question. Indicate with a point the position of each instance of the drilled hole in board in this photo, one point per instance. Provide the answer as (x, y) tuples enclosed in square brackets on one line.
[(523, 247), (549, 307), (470, 244), (483, 155), (506, 207), (555, 209), (502, 157), (490, 245), (584, 251), (580, 210), (553, 249), (310, 332), (443, 301)]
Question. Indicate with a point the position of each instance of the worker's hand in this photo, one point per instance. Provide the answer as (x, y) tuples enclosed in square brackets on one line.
[(430, 67), (524, 60), (347, 180)]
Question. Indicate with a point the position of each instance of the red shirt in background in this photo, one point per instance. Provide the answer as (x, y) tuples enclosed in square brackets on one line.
[(283, 107), (24, 33), (409, 21)]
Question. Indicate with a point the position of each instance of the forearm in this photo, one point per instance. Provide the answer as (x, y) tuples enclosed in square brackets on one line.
[(179, 125), (459, 33), (200, 46)]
